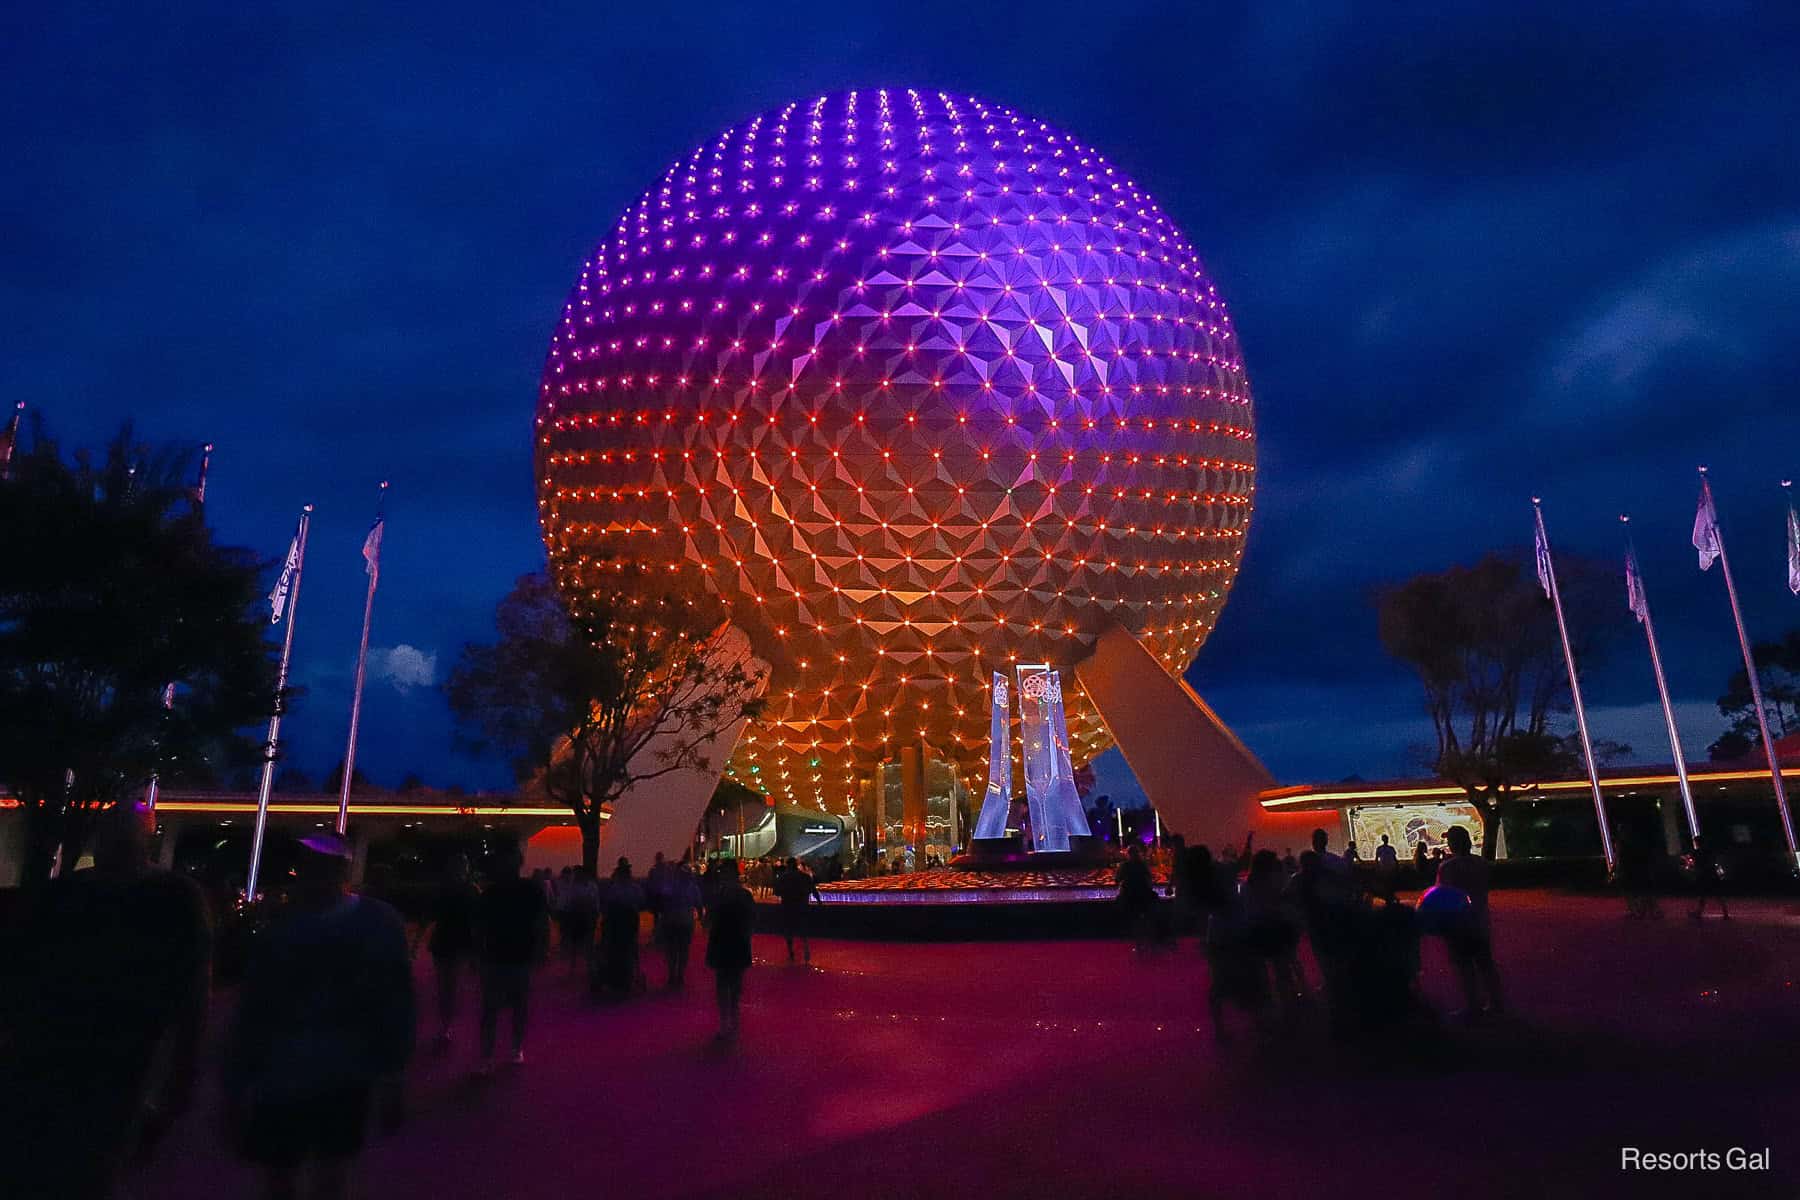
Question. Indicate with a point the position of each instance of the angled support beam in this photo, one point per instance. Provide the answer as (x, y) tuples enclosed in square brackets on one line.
[(1203, 781)]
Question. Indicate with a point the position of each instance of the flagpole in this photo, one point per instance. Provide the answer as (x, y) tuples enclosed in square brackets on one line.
[(1581, 725), (1756, 698), (269, 748), (12, 441), (1641, 607), (1787, 486), (362, 662), (198, 495)]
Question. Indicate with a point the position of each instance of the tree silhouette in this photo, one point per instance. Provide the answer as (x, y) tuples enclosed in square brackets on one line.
[(1778, 667), (632, 686), (110, 588), (1484, 644)]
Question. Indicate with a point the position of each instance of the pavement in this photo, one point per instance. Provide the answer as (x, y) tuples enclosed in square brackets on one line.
[(1084, 1069)]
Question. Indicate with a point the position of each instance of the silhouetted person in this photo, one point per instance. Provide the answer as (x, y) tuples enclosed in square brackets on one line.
[(1195, 884), (795, 887), (656, 888), (675, 925), (1137, 896), (1472, 944), (452, 939), (731, 916), (102, 1001), (1708, 880), (621, 903), (1387, 868), (1383, 968), (1272, 926), (1237, 974), (578, 915), (1336, 877), (512, 934), (1421, 861), (1328, 908), (324, 1028)]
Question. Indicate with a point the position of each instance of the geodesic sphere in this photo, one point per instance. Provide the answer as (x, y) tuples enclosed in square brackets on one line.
[(924, 389)]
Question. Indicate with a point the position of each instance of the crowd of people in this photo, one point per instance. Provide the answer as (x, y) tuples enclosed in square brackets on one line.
[(115, 986), (497, 933), (1251, 908), (761, 875), (114, 976)]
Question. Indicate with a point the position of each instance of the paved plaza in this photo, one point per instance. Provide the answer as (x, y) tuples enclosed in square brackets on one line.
[(1077, 1068)]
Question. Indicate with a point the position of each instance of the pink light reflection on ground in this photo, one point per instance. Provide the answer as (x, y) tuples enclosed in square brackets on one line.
[(923, 1069)]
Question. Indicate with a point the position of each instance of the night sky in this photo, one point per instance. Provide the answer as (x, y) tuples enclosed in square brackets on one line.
[(1474, 252)]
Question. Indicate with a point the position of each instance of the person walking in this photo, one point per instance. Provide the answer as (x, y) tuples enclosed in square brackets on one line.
[(620, 906), (324, 1029), (1137, 897), (796, 888), (451, 940), (1709, 880), (1328, 914), (675, 926), (1190, 879), (656, 889), (1272, 929), (1471, 945), (513, 934), (103, 998), (578, 917), (730, 917)]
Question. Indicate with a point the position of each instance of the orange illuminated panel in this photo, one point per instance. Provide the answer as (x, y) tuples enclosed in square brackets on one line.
[(371, 810)]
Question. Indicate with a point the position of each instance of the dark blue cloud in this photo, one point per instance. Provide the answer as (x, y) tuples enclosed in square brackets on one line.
[(1476, 252)]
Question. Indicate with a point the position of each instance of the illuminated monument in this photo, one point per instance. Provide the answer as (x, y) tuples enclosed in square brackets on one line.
[(925, 389)]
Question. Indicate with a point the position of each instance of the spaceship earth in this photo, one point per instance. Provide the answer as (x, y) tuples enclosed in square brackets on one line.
[(923, 388)]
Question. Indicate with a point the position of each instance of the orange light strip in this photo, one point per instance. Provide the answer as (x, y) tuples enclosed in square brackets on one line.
[(1286, 797), (371, 810)]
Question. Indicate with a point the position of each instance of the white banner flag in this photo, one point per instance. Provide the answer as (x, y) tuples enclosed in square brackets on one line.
[(279, 597), (1543, 561), (372, 550), (1634, 589), (1794, 551), (1706, 531)]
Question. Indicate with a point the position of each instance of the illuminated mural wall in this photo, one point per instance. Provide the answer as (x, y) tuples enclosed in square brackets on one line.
[(923, 387), (1408, 824)]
